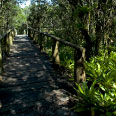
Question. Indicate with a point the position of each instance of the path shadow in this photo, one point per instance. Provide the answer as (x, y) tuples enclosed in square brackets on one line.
[(31, 86)]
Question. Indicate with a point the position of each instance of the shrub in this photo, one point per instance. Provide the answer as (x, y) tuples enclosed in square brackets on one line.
[(100, 95)]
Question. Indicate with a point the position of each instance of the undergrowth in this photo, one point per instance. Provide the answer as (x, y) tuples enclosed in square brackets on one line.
[(98, 94), (66, 58)]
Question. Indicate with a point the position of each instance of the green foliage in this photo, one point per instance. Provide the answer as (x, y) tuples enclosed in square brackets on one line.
[(101, 95), (20, 18), (85, 97), (67, 59), (102, 67), (66, 56), (80, 26), (81, 11), (11, 15)]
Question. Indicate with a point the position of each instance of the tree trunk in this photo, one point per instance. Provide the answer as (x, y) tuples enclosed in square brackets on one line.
[(89, 44), (98, 38)]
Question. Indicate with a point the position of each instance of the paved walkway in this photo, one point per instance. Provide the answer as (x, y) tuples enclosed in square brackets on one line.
[(31, 87)]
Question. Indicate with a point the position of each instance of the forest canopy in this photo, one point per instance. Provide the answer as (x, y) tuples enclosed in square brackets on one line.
[(90, 24), (11, 15)]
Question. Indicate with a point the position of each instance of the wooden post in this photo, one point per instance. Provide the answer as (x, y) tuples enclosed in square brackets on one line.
[(35, 39), (10, 39), (46, 43), (29, 32), (3, 47), (1, 62), (79, 69), (55, 52), (41, 42), (7, 44), (15, 32), (34, 34), (24, 32)]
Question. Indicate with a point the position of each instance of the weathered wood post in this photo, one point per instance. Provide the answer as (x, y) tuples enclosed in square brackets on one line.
[(25, 32), (29, 32), (41, 42), (79, 68), (10, 41), (33, 34), (1, 62), (15, 32), (45, 43), (6, 45), (55, 52), (35, 39)]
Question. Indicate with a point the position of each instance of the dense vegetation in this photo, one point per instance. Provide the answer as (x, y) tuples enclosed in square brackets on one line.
[(87, 23), (99, 97), (90, 24), (11, 15)]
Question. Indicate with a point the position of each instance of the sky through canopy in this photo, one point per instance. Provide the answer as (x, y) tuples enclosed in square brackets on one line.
[(27, 3)]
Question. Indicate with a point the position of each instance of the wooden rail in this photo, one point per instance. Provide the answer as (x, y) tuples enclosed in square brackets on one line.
[(79, 52), (5, 44)]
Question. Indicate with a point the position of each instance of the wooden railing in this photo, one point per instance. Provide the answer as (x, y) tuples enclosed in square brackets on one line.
[(79, 52), (5, 44)]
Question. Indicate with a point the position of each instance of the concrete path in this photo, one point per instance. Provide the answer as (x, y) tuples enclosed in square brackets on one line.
[(31, 87)]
